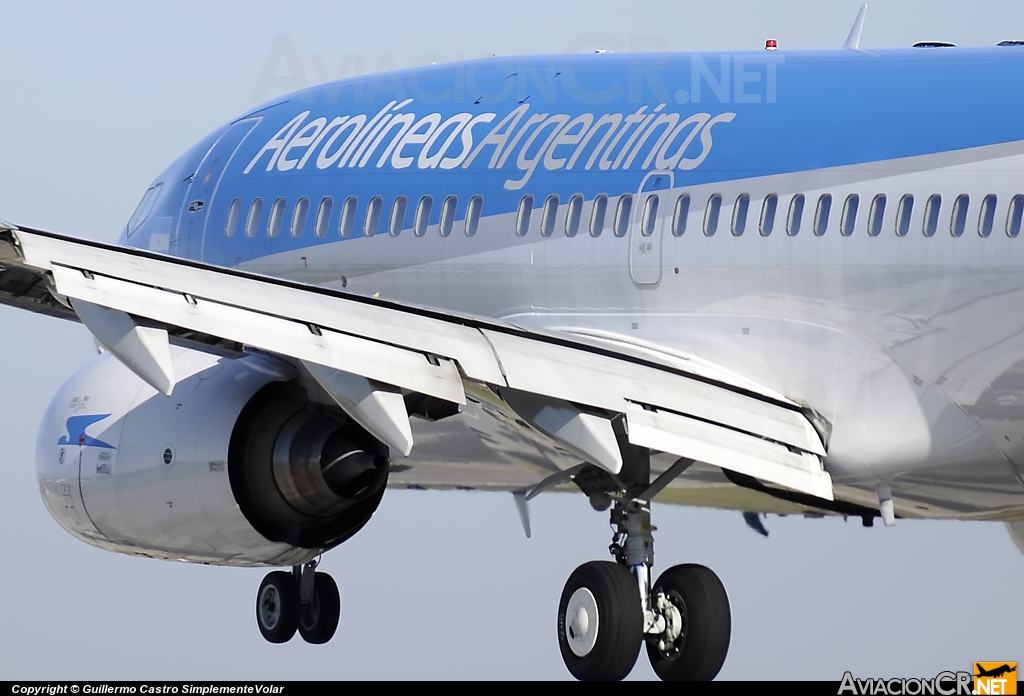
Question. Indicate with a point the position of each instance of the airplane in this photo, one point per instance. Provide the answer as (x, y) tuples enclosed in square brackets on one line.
[(995, 671), (720, 278)]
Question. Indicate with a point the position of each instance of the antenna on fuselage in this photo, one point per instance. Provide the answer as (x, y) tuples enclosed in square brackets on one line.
[(853, 40)]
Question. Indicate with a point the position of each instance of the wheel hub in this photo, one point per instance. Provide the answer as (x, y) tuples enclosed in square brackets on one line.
[(583, 620), (673, 611), (270, 607)]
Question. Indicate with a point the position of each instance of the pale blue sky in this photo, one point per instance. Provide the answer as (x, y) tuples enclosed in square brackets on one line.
[(96, 99)]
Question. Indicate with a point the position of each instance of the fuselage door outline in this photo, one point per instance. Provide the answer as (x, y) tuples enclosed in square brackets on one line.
[(198, 205), (645, 249)]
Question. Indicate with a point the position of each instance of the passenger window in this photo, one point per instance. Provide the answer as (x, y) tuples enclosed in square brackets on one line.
[(739, 214), (848, 221), (876, 215), (931, 214), (448, 215), (771, 204), (682, 212), (252, 224), (371, 223), (958, 220), (987, 218), (347, 221), (821, 214), (623, 214), (323, 216), (1014, 215), (903, 214), (650, 218), (398, 216), (299, 216), (276, 218), (548, 214), (796, 215), (598, 215), (711, 214), (419, 226), (525, 213), (572, 215), (476, 204), (234, 213)]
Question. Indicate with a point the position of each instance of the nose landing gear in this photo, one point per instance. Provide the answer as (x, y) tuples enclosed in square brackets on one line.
[(302, 600), (608, 609)]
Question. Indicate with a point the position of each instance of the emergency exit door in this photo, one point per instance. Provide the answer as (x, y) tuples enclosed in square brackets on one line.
[(645, 231)]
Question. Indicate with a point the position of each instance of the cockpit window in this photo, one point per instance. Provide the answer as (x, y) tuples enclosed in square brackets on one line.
[(144, 208)]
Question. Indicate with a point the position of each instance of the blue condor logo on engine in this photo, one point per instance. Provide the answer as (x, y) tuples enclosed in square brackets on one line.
[(552, 141), (76, 426)]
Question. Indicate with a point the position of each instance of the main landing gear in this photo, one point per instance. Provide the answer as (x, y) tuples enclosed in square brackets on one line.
[(302, 600), (608, 608)]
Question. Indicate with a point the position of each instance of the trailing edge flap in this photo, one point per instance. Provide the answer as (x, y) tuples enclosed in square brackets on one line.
[(729, 449), (669, 408)]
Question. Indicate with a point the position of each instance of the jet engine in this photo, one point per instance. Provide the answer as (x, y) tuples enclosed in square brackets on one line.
[(237, 467)]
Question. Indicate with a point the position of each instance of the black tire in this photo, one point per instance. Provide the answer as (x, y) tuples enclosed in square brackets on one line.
[(277, 607), (609, 653), (319, 621), (699, 651)]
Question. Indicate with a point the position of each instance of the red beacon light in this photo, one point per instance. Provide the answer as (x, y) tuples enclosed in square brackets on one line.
[(771, 45)]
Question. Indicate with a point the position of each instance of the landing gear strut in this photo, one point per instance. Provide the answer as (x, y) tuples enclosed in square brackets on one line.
[(608, 609), (302, 600)]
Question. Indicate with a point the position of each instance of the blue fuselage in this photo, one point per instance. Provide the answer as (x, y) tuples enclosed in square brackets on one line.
[(840, 226)]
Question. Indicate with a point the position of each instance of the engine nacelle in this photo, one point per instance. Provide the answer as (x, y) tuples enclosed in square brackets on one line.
[(237, 467)]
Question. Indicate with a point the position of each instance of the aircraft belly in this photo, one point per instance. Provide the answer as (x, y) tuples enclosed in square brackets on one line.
[(449, 454), (465, 452)]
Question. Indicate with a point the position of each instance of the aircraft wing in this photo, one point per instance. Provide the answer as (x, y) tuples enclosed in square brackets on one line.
[(574, 392)]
